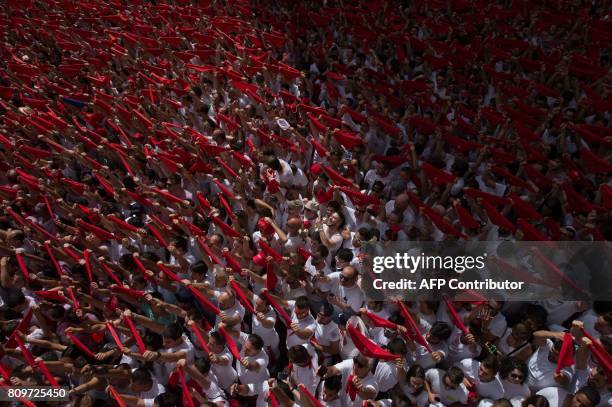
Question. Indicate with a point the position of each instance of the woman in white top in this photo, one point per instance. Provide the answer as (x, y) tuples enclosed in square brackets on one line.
[(513, 374)]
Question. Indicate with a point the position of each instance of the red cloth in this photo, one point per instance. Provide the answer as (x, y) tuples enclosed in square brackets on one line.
[(141, 346), (313, 400), (231, 344), (200, 338), (113, 332), (465, 218), (80, 345), (455, 319), (369, 348), (413, 329), (594, 163), (566, 354), (497, 218), (436, 175), (281, 312), (351, 389), (242, 297), (380, 322)]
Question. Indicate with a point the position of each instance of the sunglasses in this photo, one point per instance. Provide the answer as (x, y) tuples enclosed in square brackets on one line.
[(345, 278)]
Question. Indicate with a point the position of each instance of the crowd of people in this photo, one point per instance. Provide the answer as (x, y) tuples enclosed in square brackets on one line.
[(187, 188)]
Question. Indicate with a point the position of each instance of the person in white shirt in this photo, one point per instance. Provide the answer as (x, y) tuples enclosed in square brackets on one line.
[(252, 369), (346, 296), (585, 397), (302, 368), (143, 388), (330, 396), (592, 376), (389, 372), (483, 376), (437, 336), (445, 388), (543, 363), (358, 383), (513, 374), (327, 335), (221, 360)]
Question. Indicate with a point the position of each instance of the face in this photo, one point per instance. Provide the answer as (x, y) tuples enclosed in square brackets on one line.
[(334, 219), (520, 333), (448, 384), (580, 400), (260, 305), (602, 326), (226, 302), (360, 371), (249, 349), (301, 313), (597, 378), (485, 374), (322, 318), (139, 388), (329, 395), (417, 382), (347, 277), (516, 377)]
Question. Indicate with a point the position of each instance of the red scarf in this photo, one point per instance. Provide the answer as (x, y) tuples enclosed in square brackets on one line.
[(351, 389)]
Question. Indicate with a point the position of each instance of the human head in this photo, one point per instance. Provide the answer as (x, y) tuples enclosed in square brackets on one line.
[(331, 388), (453, 378), (361, 366), (302, 307), (514, 370), (348, 276), (253, 345), (141, 380), (488, 368), (173, 335), (587, 396)]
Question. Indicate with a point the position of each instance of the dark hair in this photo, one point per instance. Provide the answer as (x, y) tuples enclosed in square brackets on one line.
[(298, 354), (440, 330), (199, 267), (173, 331), (203, 365), (511, 363), (591, 393), (167, 399), (416, 371), (535, 401), (13, 297), (302, 302), (256, 341), (502, 403), (153, 340), (345, 254), (220, 339), (455, 375), (333, 383), (491, 362), (142, 376), (361, 361), (397, 346)]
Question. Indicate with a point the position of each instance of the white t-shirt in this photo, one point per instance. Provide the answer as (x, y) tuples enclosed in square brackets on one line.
[(346, 369), (149, 396), (269, 335), (226, 374), (555, 395), (353, 296), (258, 375), (435, 377), (326, 334), (542, 371), (306, 323), (492, 389), (386, 375)]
